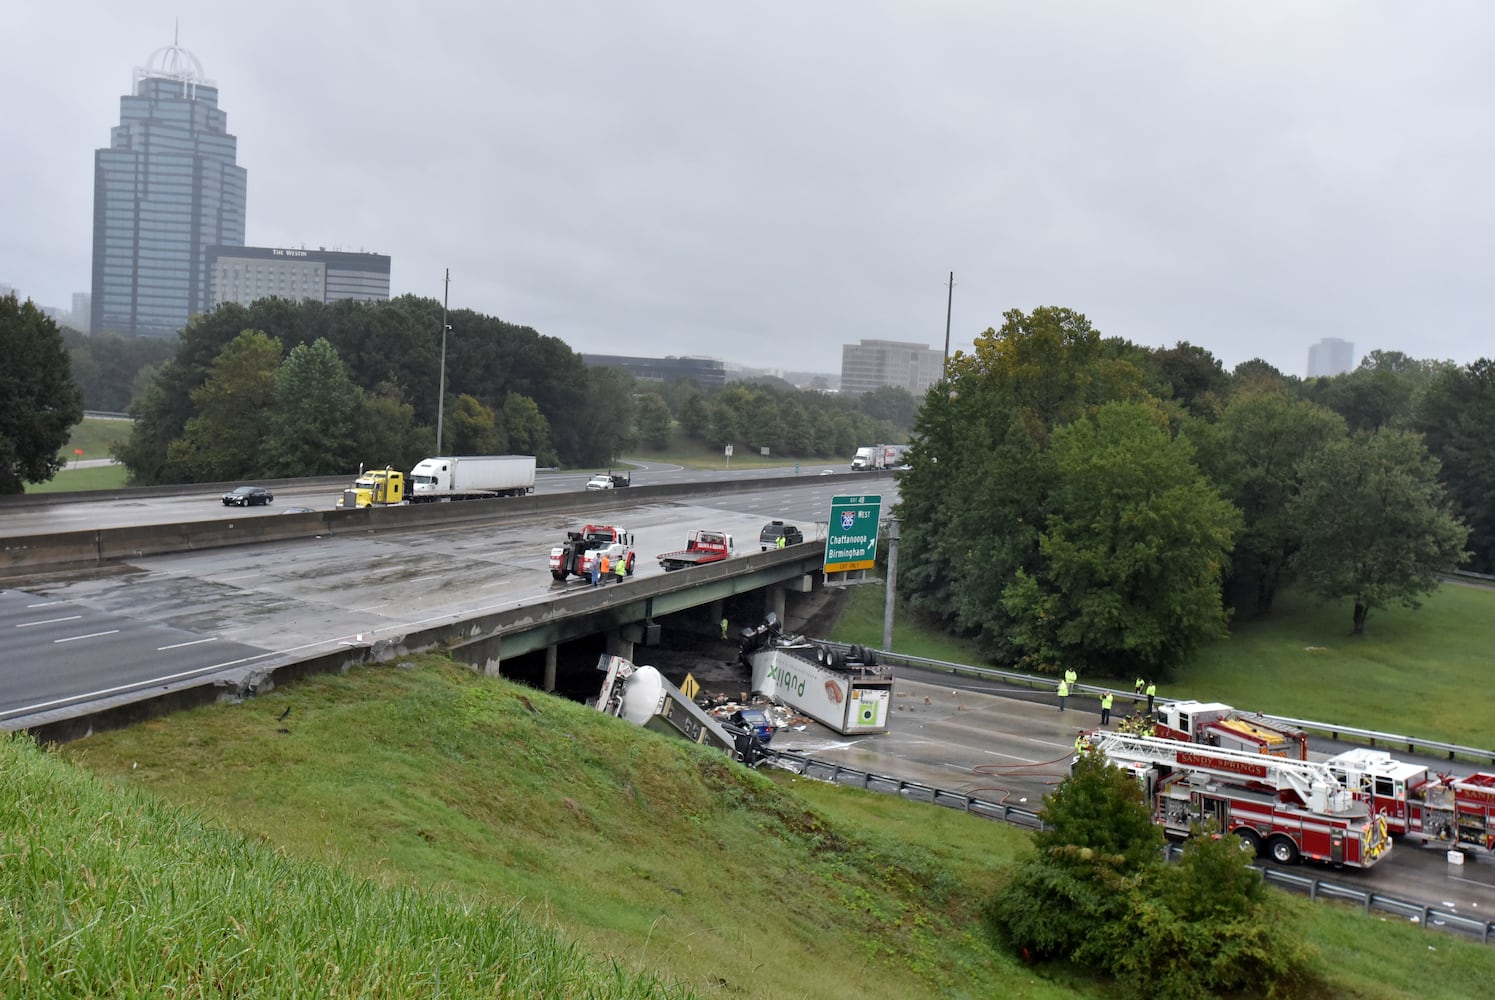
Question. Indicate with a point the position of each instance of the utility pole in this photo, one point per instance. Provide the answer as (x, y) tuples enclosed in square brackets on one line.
[(949, 300), (887, 611), (441, 392)]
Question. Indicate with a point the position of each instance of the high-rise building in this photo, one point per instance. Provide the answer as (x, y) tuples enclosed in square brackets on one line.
[(243, 274), (1330, 356), (873, 364), (165, 190)]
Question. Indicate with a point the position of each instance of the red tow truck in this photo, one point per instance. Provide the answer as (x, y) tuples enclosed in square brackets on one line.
[(702, 548), (582, 548)]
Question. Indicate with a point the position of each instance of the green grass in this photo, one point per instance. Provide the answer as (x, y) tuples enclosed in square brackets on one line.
[(640, 849), (105, 477), (401, 822), (93, 436), (1422, 672)]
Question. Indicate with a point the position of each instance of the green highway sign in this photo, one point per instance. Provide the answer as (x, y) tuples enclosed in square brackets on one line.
[(852, 540)]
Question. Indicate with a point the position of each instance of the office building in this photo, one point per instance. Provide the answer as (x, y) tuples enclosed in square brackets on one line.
[(873, 364), (708, 373), (1330, 356), (243, 274), (165, 190)]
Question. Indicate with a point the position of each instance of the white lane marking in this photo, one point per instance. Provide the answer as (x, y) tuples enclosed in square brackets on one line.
[(91, 635), (179, 645), (45, 604), (422, 579), (49, 621), (1025, 760)]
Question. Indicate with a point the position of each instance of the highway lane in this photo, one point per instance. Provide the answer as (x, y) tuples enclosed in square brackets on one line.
[(61, 653), (106, 511), (1011, 748), (295, 599)]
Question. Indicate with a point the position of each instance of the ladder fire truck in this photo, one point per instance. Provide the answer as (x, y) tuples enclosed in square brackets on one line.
[(1218, 725), (1289, 809), (1436, 810)]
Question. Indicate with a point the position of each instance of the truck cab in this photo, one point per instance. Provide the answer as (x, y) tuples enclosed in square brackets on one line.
[(375, 488)]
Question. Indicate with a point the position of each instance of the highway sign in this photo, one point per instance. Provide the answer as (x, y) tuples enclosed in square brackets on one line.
[(851, 542)]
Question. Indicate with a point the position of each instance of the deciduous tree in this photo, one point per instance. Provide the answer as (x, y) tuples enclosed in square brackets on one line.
[(473, 429), (1375, 523), (652, 418), (1132, 552), (1456, 416), (311, 426), (39, 401), (225, 439)]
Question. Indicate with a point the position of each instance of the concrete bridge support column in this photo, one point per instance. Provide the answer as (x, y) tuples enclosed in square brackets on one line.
[(773, 600), (617, 645), (550, 667)]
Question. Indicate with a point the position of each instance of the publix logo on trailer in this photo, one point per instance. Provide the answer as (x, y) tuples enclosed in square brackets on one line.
[(791, 681)]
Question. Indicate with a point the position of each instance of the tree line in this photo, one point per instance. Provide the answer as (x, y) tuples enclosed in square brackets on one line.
[(283, 389), (1081, 501)]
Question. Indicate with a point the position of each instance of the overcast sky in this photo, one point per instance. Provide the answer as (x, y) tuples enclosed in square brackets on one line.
[(766, 182)]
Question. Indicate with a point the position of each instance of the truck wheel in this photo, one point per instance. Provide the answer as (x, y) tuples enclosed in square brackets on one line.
[(1284, 851), (558, 575), (1250, 841), (628, 567)]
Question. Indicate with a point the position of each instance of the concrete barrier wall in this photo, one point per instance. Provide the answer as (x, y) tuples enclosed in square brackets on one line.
[(336, 483), (82, 548)]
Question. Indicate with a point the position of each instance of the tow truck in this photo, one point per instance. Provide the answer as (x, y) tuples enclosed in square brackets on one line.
[(703, 547), (1291, 809), (581, 549)]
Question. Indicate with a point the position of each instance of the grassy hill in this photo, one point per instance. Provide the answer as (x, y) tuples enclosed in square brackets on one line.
[(422, 830)]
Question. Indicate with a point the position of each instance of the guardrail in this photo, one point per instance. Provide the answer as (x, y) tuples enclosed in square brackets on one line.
[(1428, 915), (1371, 737)]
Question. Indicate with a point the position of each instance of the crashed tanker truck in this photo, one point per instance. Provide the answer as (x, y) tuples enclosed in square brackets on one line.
[(837, 684)]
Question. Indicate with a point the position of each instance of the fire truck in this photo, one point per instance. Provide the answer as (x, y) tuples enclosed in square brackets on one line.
[(1218, 725), (1288, 809), (1436, 810)]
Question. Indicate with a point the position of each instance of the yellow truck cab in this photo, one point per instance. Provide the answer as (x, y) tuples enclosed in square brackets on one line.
[(375, 488)]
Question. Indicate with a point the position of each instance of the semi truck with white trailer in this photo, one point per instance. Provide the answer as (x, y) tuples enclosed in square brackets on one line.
[(438, 480), (879, 456)]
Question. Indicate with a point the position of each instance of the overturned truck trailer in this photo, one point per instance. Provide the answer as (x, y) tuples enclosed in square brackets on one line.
[(839, 685)]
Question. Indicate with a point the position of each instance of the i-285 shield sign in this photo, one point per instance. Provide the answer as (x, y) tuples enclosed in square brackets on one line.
[(852, 540)]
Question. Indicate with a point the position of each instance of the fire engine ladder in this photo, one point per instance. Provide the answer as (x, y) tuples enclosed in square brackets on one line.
[(1303, 777)]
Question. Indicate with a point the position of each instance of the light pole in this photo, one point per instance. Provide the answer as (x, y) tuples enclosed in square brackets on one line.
[(441, 390), (949, 300)]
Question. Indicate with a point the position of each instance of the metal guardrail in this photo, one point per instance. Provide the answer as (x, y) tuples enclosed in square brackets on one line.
[(1370, 737), (1429, 916)]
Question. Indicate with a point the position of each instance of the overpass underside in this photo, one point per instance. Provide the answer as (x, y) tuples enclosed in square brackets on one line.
[(631, 613)]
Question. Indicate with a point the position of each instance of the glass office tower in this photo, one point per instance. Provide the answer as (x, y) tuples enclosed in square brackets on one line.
[(165, 190)]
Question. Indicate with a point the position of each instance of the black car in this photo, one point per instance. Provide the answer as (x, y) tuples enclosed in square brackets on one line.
[(774, 530), (248, 496)]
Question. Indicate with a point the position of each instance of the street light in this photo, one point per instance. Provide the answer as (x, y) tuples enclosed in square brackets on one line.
[(441, 390)]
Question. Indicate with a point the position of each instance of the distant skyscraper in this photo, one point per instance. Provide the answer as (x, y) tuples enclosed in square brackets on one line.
[(1330, 356), (165, 190), (876, 363), (243, 274)]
